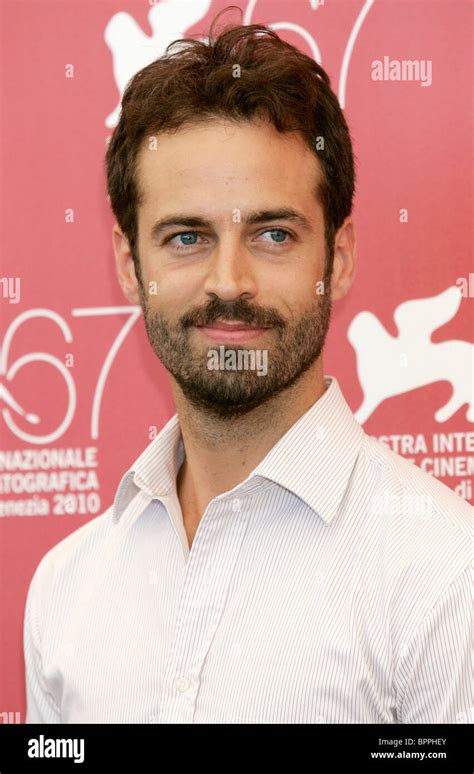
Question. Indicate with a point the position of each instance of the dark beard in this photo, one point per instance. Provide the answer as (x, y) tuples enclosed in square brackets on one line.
[(226, 394)]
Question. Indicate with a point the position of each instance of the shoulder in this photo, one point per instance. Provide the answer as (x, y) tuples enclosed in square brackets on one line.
[(420, 530), (70, 557), (417, 509), (409, 489)]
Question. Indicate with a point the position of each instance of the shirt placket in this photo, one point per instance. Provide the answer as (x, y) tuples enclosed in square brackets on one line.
[(209, 571)]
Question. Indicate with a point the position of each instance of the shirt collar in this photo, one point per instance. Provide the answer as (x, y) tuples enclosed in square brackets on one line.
[(313, 459)]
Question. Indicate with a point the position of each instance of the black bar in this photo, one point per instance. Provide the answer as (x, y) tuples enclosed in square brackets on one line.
[(149, 748)]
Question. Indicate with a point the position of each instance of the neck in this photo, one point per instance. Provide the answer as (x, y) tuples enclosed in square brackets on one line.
[(221, 453)]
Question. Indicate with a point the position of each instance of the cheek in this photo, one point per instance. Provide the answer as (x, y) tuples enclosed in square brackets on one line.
[(294, 292), (172, 293)]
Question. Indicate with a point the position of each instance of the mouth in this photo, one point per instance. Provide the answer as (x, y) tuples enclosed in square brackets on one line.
[(223, 330)]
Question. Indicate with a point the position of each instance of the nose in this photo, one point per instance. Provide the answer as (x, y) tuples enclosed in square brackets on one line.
[(231, 273)]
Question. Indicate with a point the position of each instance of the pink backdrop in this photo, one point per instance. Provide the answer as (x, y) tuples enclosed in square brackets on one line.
[(76, 369)]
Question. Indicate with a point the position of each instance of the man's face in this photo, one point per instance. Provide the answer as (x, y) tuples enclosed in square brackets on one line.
[(219, 259)]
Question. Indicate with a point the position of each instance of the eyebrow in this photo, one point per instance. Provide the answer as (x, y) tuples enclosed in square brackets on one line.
[(251, 219)]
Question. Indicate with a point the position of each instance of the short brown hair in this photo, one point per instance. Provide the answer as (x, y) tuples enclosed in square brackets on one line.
[(197, 82)]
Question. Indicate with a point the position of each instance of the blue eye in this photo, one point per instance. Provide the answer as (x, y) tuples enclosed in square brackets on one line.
[(188, 239), (280, 231), (185, 235)]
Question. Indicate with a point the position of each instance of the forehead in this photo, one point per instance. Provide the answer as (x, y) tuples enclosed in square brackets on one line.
[(240, 163)]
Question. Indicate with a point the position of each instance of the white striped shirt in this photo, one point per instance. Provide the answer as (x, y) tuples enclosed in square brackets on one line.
[(331, 586)]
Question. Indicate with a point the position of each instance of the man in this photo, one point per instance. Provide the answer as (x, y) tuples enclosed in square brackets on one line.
[(264, 560)]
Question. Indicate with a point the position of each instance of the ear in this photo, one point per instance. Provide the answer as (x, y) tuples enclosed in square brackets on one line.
[(344, 260), (125, 266)]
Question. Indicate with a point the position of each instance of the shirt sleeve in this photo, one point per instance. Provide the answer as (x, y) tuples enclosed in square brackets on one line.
[(40, 705), (434, 674)]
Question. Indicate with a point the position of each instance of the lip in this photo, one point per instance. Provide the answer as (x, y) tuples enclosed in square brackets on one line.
[(221, 331)]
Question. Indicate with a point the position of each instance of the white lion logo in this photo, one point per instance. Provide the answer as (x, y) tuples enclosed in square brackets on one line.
[(132, 49), (391, 365)]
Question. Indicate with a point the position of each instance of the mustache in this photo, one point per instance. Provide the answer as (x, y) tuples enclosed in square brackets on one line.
[(233, 310)]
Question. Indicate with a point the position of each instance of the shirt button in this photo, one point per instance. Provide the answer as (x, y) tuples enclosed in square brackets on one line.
[(182, 684), (236, 504)]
